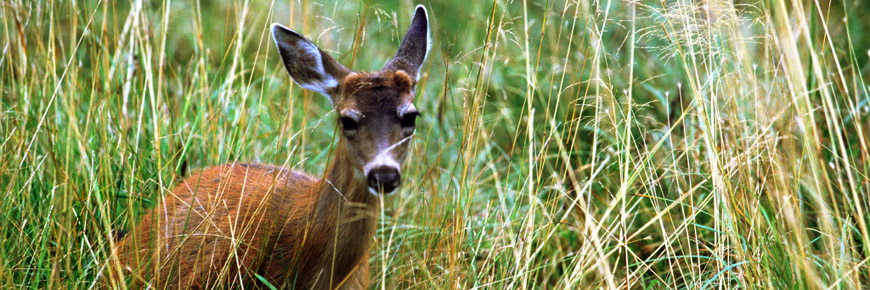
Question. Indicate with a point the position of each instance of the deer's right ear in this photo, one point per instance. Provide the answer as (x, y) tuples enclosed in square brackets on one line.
[(310, 67)]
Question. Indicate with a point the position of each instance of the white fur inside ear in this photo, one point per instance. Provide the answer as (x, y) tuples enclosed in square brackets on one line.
[(323, 86), (428, 38), (326, 82), (307, 50)]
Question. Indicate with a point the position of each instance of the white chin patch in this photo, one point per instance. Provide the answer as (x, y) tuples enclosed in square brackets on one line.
[(375, 192)]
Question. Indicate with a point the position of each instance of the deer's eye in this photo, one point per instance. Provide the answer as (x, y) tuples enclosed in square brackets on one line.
[(407, 121), (348, 125)]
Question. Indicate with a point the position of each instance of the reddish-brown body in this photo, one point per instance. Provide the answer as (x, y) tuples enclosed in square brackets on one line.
[(226, 224)]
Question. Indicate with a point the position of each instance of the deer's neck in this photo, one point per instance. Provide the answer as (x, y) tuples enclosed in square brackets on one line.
[(345, 218), (344, 183), (344, 197)]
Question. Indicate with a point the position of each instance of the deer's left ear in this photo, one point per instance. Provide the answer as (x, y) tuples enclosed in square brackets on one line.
[(415, 46), (309, 66)]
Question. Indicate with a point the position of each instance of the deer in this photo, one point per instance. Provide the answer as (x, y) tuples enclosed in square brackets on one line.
[(243, 224)]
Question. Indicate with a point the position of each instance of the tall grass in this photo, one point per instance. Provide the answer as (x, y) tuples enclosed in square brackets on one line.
[(563, 144)]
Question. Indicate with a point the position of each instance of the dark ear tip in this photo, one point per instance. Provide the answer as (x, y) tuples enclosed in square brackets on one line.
[(279, 30), (421, 11)]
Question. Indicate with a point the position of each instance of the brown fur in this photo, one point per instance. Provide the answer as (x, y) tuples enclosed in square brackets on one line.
[(398, 80), (228, 225), (375, 92), (225, 224)]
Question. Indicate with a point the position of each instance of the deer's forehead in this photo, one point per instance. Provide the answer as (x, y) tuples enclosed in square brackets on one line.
[(376, 92)]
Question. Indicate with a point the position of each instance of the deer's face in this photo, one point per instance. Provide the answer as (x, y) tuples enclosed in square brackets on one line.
[(376, 113)]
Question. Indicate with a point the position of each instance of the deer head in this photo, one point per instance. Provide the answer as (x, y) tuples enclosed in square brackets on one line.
[(375, 110)]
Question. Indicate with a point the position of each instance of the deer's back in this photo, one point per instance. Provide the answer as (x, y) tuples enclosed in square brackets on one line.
[(235, 219)]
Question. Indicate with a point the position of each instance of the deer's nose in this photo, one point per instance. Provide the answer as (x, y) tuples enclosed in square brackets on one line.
[(384, 179)]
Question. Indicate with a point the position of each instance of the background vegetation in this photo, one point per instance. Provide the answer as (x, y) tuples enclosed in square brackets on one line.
[(564, 144)]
